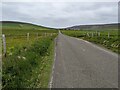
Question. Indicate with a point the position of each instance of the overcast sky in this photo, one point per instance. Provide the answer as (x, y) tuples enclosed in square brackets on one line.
[(60, 14)]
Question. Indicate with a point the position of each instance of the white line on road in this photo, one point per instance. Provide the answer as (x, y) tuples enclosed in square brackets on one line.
[(51, 81)]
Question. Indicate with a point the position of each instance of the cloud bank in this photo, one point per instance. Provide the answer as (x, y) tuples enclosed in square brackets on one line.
[(60, 14)]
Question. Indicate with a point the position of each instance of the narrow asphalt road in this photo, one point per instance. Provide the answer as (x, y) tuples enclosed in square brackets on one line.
[(80, 64)]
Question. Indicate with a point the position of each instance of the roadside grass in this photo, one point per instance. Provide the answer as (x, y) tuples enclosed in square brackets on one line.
[(44, 78), (29, 66), (111, 42), (27, 63)]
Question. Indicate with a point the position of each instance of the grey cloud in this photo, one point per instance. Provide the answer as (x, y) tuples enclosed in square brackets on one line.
[(62, 14)]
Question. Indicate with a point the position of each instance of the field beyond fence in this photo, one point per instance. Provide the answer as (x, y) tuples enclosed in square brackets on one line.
[(28, 57)]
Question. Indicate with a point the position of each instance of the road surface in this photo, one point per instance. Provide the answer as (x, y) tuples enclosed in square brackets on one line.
[(80, 64)]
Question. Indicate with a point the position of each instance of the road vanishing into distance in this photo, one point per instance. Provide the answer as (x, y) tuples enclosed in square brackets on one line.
[(81, 64)]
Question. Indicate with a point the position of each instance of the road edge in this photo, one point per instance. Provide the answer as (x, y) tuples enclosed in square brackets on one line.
[(51, 79), (96, 46)]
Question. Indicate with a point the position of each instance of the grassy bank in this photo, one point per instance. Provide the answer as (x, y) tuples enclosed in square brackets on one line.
[(29, 66), (28, 61)]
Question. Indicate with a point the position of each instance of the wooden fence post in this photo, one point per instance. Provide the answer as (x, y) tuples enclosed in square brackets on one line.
[(99, 34), (92, 34), (45, 35), (88, 35), (108, 35), (51, 34), (4, 45), (28, 36)]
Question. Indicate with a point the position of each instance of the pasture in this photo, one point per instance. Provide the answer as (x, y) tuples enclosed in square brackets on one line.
[(29, 58)]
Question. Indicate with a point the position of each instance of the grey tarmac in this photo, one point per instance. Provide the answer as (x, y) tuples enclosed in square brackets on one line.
[(81, 64)]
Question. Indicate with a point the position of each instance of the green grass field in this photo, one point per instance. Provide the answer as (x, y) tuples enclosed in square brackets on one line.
[(106, 38), (28, 62)]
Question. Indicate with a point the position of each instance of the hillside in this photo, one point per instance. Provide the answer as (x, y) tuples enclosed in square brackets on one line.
[(20, 25), (94, 27)]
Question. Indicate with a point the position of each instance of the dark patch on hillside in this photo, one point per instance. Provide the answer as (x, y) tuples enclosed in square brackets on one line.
[(94, 27)]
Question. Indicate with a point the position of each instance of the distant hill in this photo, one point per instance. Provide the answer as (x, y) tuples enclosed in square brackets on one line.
[(94, 27), (12, 24)]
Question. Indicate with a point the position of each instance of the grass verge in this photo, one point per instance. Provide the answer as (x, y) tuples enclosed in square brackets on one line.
[(29, 67)]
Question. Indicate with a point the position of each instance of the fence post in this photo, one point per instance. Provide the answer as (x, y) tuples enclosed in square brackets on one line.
[(92, 34), (99, 34), (45, 35), (4, 45), (88, 34), (28, 36), (51, 34), (108, 35)]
